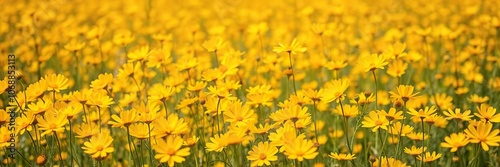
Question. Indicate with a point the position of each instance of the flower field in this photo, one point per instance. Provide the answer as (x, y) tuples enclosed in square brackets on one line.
[(236, 83)]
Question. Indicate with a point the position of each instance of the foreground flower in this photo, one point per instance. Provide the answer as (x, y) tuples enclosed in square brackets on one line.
[(170, 150), (342, 156), (293, 48), (483, 134), (487, 113), (126, 118), (415, 151), (262, 154), (430, 157), (51, 122), (99, 147), (455, 141), (375, 120), (403, 92), (388, 162), (56, 82), (372, 62), (334, 90), (300, 149)]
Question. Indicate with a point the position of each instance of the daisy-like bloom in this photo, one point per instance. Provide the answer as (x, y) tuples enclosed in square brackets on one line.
[(99, 146), (262, 153), (4, 137), (160, 93), (72, 110), (51, 122), (191, 141), (397, 68), (23, 123), (239, 113), (422, 113), (261, 129), (86, 131), (375, 120), (415, 151), (130, 70), (393, 114), (214, 44), (483, 134), (478, 99), (455, 141), (403, 92), (487, 113), (342, 156), (171, 151), (103, 81), (334, 90), (140, 131), (4, 85), (395, 129), (293, 48), (428, 157), (196, 86), (126, 118), (372, 62), (36, 90), (300, 149), (293, 113), (173, 125), (139, 55), (74, 45), (388, 162), (417, 136), (347, 110), (99, 99), (443, 101), (218, 142), (363, 98), (457, 115), (56, 82), (40, 107)]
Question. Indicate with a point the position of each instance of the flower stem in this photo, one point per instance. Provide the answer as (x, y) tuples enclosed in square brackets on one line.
[(376, 89), (293, 73), (60, 151)]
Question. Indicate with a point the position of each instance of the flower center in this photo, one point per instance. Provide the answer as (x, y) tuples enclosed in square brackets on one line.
[(99, 148), (171, 151), (262, 156)]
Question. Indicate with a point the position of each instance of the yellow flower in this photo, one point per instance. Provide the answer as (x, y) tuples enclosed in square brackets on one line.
[(458, 115), (103, 81), (415, 151), (86, 130), (455, 141), (397, 68), (99, 146), (347, 110), (99, 99), (388, 162), (372, 62), (478, 99), (430, 157), (218, 142), (170, 150), (214, 44), (140, 130), (293, 48), (300, 149), (483, 134), (139, 55), (422, 113), (334, 90), (404, 92), (56, 82), (375, 120), (342, 156), (51, 122), (239, 113), (126, 118), (487, 113), (173, 125), (262, 153)]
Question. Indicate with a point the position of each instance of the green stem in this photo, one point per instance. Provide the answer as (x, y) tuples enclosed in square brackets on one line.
[(293, 73), (376, 89), (60, 151)]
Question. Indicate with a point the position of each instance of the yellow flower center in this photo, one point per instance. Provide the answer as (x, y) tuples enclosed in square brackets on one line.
[(52, 126), (171, 151), (262, 156), (99, 148)]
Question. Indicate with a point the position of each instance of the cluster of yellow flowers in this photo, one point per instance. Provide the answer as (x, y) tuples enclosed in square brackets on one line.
[(251, 83)]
